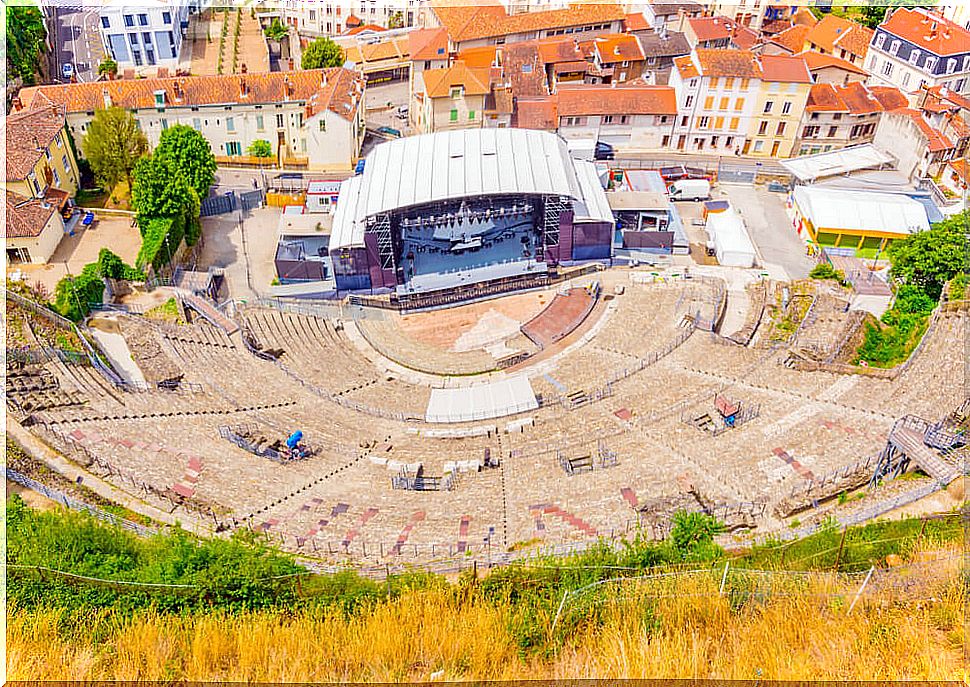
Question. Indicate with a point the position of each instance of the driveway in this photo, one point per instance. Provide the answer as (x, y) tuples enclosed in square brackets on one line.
[(245, 251), (764, 214), (77, 39)]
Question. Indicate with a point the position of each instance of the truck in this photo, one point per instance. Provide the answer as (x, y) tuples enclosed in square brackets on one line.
[(690, 189)]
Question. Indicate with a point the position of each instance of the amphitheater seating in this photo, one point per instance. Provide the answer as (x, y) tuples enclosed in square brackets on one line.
[(387, 337), (566, 312)]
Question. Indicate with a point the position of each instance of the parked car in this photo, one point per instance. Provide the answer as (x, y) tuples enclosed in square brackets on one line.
[(690, 189), (359, 169), (678, 172), (603, 151), (67, 71), (402, 112), (388, 131)]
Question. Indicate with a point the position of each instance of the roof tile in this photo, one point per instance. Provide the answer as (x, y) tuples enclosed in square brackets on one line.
[(928, 31), (29, 132)]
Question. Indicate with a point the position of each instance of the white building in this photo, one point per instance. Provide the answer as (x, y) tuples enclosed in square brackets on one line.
[(312, 119), (330, 17), (146, 36)]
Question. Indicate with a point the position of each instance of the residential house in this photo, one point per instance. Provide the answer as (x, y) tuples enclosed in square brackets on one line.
[(840, 37), (956, 177), (671, 16), (475, 25), (787, 42), (312, 118), (921, 149), (838, 116), (33, 229), (756, 14), (625, 116), (450, 98), (832, 69), (785, 84), (40, 161), (379, 59), (717, 92), (144, 37), (719, 32), (913, 48), (659, 51)]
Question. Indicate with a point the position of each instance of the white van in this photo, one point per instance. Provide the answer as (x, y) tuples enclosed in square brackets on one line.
[(690, 189)]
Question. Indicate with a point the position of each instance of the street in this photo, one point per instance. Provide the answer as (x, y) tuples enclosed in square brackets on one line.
[(77, 40)]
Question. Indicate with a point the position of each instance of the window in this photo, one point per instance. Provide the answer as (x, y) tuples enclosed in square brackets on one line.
[(713, 141), (471, 114), (689, 101), (738, 104), (57, 178), (762, 128), (914, 56), (837, 116), (323, 124), (58, 140), (129, 20), (608, 119), (744, 84), (768, 106), (894, 47), (164, 124), (702, 123), (774, 87), (133, 38), (719, 122), (64, 162), (714, 82), (709, 102), (930, 64), (723, 105), (887, 69), (810, 132), (171, 38), (230, 124), (728, 141), (166, 17), (259, 122), (729, 83), (958, 85), (105, 23), (454, 115), (786, 108), (665, 141), (456, 92), (966, 64), (683, 120), (146, 38), (872, 62), (832, 131), (951, 65), (279, 121), (47, 154), (692, 83), (759, 146), (624, 119), (734, 124), (880, 41), (233, 148), (197, 124), (142, 20), (136, 56), (150, 56), (905, 80), (780, 131)]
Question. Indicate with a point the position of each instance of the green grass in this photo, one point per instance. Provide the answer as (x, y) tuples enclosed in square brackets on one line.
[(91, 198), (958, 287)]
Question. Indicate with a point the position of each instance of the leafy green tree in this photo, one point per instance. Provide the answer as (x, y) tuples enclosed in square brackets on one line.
[(260, 148), (693, 535), (26, 36), (74, 295), (108, 67), (158, 189), (929, 259), (277, 31), (190, 156), (396, 20), (321, 54), (113, 144)]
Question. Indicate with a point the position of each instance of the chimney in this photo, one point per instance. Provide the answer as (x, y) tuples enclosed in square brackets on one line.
[(616, 50), (286, 88), (243, 89), (245, 69), (107, 97), (17, 103), (179, 93), (323, 79)]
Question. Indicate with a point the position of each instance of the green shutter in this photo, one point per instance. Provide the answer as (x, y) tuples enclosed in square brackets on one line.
[(454, 115), (471, 114)]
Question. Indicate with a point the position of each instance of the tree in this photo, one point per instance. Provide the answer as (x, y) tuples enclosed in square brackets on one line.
[(113, 145), (322, 54), (108, 67), (190, 156), (693, 535), (26, 36), (929, 259), (277, 31), (260, 148), (396, 20), (160, 190)]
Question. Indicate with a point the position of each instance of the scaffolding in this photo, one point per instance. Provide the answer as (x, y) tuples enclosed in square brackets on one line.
[(552, 209)]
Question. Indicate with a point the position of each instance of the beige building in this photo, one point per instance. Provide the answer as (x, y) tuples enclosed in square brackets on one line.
[(32, 231), (450, 98), (312, 119), (783, 91), (40, 162), (839, 116)]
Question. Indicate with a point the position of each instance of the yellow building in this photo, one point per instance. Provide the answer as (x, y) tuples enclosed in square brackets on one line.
[(33, 230), (40, 162), (782, 95)]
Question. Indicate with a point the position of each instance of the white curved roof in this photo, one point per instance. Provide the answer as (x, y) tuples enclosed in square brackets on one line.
[(451, 165)]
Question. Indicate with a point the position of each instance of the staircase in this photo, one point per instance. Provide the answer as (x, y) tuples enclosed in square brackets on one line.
[(209, 313), (909, 441)]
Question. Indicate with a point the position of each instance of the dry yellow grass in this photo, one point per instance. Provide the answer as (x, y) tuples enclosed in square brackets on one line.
[(896, 634)]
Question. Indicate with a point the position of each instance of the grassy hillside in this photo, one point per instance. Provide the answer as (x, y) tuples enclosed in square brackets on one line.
[(244, 613)]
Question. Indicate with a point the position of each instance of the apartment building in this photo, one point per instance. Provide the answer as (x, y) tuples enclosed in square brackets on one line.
[(717, 93), (451, 97), (333, 17), (312, 118), (144, 37), (838, 116), (916, 48), (719, 32), (831, 69), (670, 16), (626, 116), (784, 88)]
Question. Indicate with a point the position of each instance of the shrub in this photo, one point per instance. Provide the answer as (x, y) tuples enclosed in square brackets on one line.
[(958, 287), (824, 270)]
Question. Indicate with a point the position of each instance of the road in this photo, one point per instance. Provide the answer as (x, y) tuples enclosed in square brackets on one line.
[(77, 39)]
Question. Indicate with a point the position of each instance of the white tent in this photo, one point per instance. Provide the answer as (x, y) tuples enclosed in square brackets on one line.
[(730, 239)]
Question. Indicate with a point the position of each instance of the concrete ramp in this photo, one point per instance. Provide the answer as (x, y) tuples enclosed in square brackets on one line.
[(909, 442), (209, 313)]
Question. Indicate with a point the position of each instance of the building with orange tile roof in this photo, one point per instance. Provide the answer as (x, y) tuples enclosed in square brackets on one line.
[(336, 16), (453, 97), (841, 37), (837, 116), (784, 89), (473, 25), (379, 60), (831, 69), (39, 156), (313, 118), (913, 48), (32, 231), (719, 32), (787, 42)]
